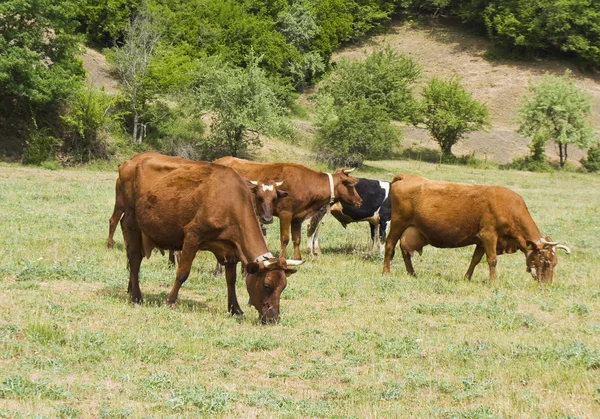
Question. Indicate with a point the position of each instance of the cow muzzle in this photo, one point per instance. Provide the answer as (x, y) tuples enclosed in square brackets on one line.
[(266, 220)]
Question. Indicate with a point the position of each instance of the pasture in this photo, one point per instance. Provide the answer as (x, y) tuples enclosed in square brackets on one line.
[(352, 343)]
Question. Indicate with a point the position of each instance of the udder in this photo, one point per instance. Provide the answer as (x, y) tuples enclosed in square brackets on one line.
[(412, 241)]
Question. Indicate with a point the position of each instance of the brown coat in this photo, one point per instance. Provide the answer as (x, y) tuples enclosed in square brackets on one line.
[(193, 206), (447, 215), (308, 190)]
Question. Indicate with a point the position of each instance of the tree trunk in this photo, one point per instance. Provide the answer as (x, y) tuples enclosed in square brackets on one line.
[(135, 126), (562, 154)]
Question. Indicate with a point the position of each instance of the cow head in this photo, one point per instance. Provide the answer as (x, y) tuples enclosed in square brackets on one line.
[(267, 194), (265, 282), (345, 190), (541, 258)]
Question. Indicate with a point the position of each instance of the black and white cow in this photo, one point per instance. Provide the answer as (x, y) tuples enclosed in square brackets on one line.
[(376, 209)]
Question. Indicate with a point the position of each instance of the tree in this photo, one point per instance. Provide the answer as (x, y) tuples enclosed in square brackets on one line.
[(350, 134), (132, 62), (357, 102), (38, 68), (556, 110), (449, 112), (384, 79), (243, 104)]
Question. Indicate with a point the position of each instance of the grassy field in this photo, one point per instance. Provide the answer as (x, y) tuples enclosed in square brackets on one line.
[(351, 343)]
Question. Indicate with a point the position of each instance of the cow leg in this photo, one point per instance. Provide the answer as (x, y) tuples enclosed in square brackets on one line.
[(133, 241), (296, 237), (116, 216), (232, 302), (477, 255), (218, 269), (489, 244), (374, 235), (188, 253), (312, 231), (382, 228), (390, 247), (171, 258), (112, 226), (285, 223)]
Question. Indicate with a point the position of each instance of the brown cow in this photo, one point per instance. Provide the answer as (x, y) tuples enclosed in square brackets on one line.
[(448, 215), (308, 190), (200, 206), (265, 193)]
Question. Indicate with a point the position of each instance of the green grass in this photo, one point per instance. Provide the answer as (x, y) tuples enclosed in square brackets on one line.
[(351, 343)]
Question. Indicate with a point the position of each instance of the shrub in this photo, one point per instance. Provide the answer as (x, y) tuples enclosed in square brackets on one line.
[(41, 147), (354, 133), (592, 163), (449, 111)]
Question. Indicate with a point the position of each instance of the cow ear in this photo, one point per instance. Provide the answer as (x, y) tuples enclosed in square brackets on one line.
[(281, 194), (253, 268), (290, 271)]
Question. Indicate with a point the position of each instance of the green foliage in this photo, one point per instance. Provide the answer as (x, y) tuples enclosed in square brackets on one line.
[(38, 68), (530, 164), (449, 111), (592, 162), (91, 115), (242, 103), (562, 26), (355, 132), (556, 110), (384, 79), (105, 21), (41, 147), (356, 102)]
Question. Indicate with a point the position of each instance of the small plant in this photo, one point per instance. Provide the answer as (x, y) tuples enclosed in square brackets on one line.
[(592, 162)]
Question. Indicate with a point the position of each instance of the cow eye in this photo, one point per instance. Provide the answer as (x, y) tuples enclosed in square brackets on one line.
[(268, 287)]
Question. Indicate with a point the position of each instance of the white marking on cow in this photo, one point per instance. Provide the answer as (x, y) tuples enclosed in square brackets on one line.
[(386, 187), (267, 187)]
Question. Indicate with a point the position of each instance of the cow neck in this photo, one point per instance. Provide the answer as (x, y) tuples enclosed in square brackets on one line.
[(331, 189)]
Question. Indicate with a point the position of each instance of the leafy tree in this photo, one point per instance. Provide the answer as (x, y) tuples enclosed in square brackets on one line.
[(449, 112), (348, 135), (132, 62), (356, 103), (556, 110), (38, 68), (103, 21), (242, 103), (384, 79)]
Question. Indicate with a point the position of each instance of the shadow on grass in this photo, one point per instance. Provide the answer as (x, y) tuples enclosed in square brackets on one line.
[(154, 300)]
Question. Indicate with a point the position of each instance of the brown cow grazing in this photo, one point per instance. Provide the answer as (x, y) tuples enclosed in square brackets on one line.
[(200, 206), (447, 215), (308, 191), (265, 194)]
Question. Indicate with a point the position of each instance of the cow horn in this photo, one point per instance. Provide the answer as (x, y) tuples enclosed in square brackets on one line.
[(293, 262), (254, 182), (278, 184), (348, 171), (544, 241), (563, 247)]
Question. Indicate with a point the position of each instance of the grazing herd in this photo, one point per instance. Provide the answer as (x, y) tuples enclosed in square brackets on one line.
[(185, 206)]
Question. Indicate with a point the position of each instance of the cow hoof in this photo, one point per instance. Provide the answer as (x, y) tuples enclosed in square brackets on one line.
[(171, 303)]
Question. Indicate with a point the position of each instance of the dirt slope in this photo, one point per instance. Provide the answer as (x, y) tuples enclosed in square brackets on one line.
[(445, 49)]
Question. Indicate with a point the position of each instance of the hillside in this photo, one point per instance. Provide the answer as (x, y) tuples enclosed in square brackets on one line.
[(443, 48)]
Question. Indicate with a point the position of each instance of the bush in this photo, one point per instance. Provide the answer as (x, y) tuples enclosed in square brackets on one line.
[(41, 147), (529, 164), (592, 163), (351, 134), (449, 111)]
